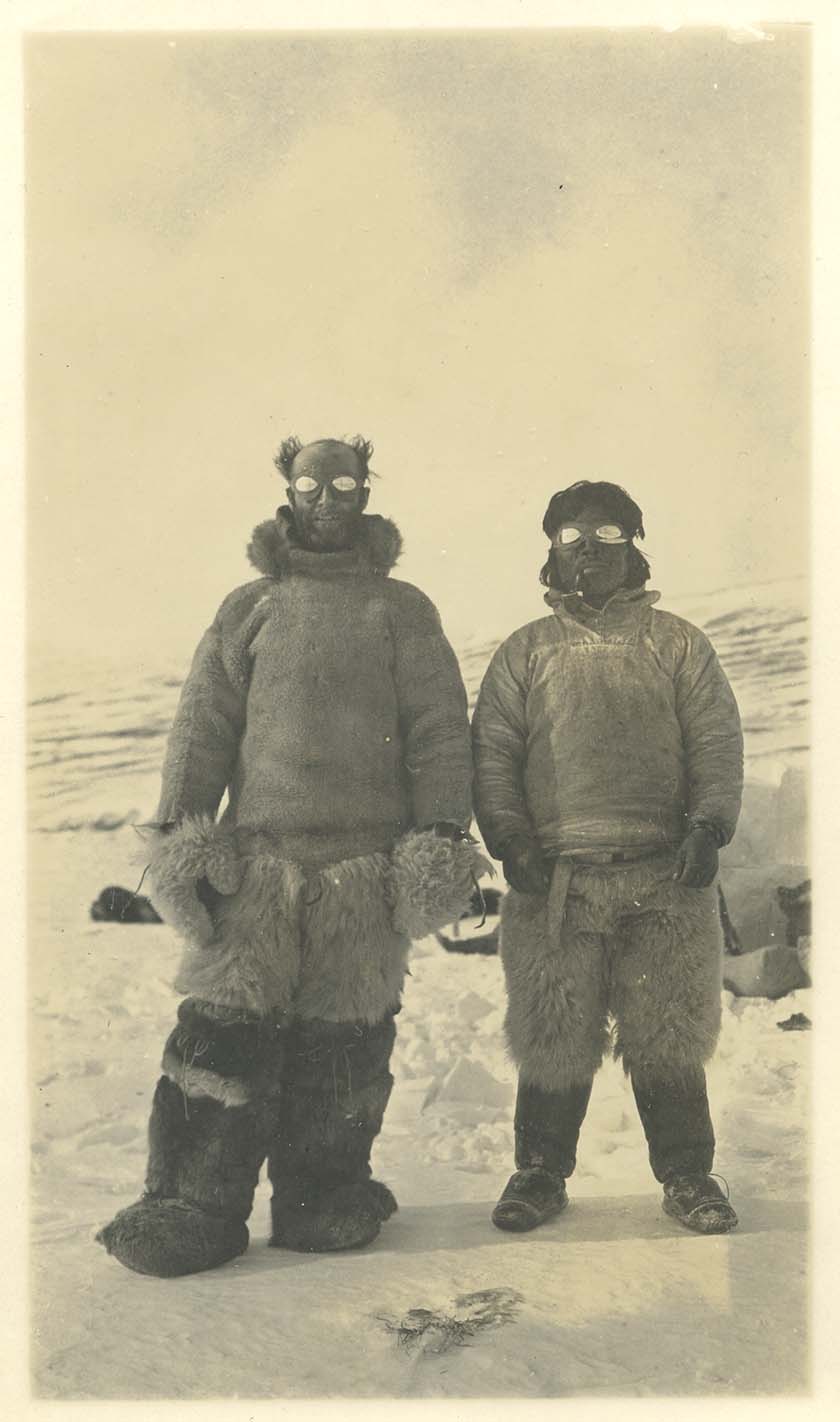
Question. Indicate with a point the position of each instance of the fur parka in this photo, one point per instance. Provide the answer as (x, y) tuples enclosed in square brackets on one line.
[(326, 701)]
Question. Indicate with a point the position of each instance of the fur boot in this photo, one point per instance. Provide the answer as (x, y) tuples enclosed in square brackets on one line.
[(204, 1163), (206, 1145), (329, 1111)]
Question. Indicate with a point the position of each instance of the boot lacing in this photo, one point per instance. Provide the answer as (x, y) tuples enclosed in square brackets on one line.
[(710, 1199)]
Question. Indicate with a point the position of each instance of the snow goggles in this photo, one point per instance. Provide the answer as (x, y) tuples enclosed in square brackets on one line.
[(343, 483), (570, 533)]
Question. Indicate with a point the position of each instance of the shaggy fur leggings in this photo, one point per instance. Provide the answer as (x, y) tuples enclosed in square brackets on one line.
[(623, 944), (307, 1095)]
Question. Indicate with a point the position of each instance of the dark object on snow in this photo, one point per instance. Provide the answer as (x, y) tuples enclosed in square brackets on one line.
[(770, 972), (796, 906), (797, 1022), (117, 905), (436, 1332), (731, 941), (484, 907)]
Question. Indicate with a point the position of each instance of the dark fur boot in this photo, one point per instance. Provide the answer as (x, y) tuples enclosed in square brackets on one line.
[(335, 1090), (204, 1164)]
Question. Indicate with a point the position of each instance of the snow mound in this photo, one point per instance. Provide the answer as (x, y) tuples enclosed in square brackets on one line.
[(469, 1083)]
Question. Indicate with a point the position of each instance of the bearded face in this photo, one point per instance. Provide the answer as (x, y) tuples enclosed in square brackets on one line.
[(327, 495)]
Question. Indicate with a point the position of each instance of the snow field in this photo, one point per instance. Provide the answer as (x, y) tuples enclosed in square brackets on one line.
[(615, 1299)]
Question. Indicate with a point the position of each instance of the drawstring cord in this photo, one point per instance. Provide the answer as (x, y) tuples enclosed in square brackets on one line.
[(129, 901), (309, 883), (481, 899), (199, 1048), (349, 1070)]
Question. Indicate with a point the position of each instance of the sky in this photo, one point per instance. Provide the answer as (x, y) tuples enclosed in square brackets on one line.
[(510, 259)]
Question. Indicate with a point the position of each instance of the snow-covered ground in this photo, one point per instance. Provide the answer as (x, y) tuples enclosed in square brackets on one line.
[(611, 1300)]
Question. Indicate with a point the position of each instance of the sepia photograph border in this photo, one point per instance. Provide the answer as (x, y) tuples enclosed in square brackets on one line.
[(824, 22)]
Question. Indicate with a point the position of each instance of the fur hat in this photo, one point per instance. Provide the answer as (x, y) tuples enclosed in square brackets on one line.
[(566, 503)]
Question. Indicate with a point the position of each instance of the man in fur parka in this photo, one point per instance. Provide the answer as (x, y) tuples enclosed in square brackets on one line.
[(608, 758), (328, 705)]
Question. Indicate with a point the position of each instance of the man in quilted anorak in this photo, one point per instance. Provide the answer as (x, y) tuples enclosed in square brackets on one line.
[(328, 705), (608, 755)]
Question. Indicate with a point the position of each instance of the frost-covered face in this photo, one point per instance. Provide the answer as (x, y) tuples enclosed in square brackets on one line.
[(327, 495), (588, 564)]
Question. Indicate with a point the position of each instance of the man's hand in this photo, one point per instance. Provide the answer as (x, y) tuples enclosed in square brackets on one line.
[(697, 860), (525, 866)]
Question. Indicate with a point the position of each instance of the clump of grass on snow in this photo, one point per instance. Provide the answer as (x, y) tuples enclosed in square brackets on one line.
[(437, 1331)]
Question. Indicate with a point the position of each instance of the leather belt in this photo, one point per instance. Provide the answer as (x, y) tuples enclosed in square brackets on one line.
[(564, 868), (613, 856)]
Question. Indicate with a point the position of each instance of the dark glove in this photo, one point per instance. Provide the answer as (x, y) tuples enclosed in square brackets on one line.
[(697, 859), (525, 866)]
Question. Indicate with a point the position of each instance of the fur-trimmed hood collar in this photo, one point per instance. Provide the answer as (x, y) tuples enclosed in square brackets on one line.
[(275, 552)]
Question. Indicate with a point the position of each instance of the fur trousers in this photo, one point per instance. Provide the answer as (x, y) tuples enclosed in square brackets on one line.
[(629, 945), (329, 941), (319, 944)]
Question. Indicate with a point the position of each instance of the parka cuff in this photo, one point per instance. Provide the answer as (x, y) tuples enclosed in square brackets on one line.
[(720, 835)]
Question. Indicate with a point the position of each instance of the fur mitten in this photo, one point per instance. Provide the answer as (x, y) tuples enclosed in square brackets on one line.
[(432, 880), (195, 849)]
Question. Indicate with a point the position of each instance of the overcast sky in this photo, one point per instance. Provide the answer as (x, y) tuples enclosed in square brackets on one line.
[(510, 260)]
